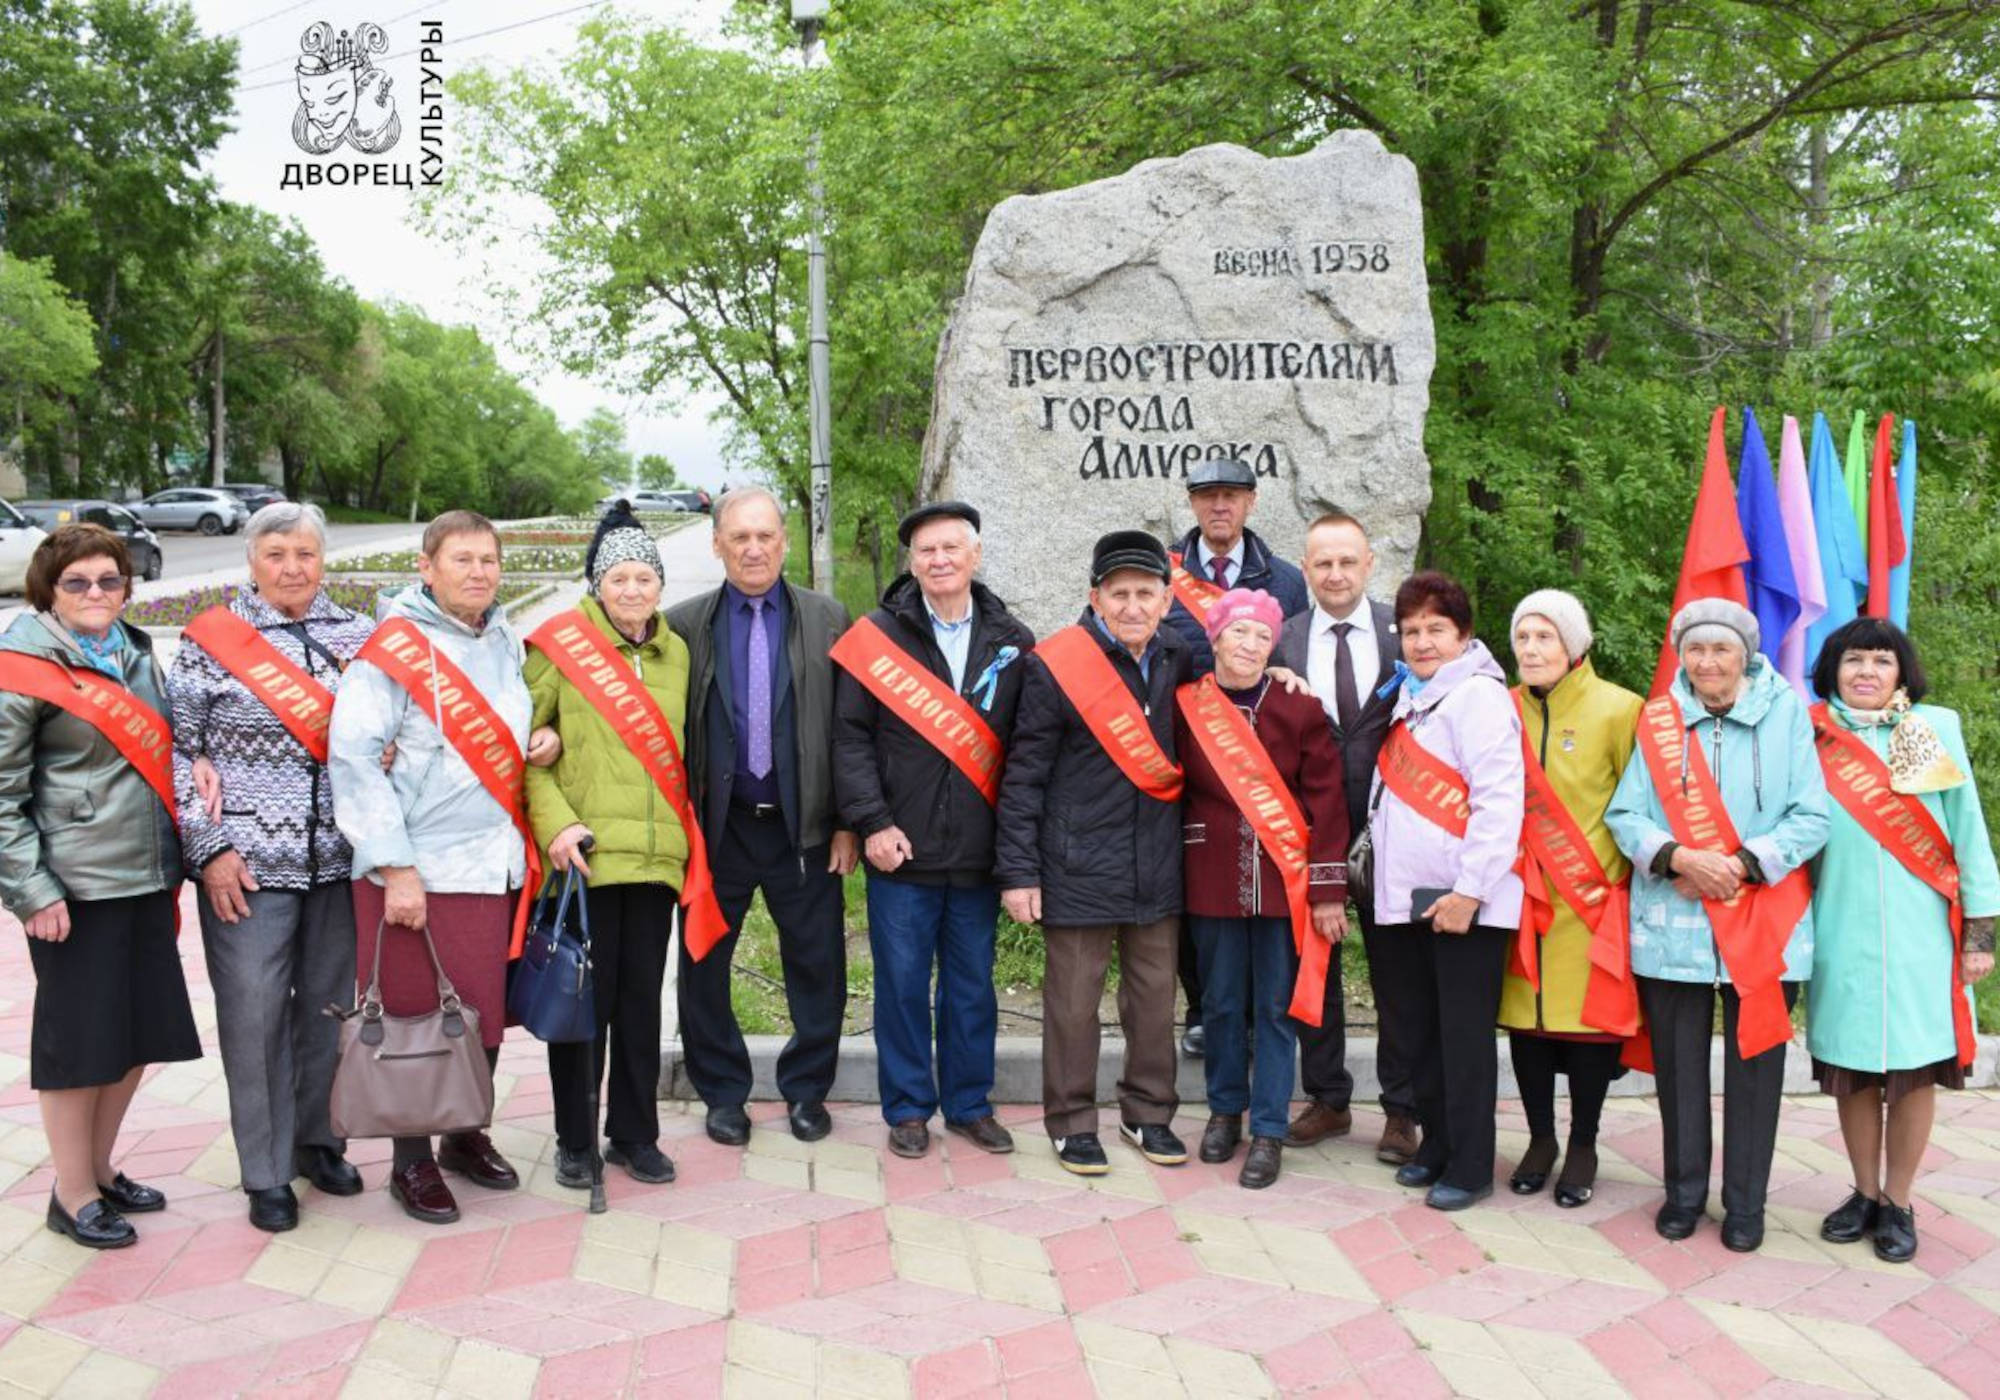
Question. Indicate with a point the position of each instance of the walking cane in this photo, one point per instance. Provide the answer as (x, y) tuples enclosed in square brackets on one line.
[(597, 1203)]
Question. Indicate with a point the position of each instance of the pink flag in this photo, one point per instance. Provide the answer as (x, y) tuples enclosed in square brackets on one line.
[(1795, 509)]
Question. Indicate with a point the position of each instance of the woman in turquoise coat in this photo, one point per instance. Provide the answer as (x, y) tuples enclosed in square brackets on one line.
[(1881, 1021)]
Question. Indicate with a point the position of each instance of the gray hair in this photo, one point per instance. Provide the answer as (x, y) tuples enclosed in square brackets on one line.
[(732, 499), (284, 518)]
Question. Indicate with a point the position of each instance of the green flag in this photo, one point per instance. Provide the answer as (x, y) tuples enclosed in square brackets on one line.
[(1856, 472)]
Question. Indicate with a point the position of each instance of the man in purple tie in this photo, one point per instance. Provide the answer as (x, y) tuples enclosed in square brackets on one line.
[(760, 756), (1222, 550)]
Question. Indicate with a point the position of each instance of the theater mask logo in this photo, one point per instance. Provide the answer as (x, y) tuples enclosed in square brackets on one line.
[(343, 97)]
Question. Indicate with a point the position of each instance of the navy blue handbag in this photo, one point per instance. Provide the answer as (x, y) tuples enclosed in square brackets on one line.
[(549, 987)]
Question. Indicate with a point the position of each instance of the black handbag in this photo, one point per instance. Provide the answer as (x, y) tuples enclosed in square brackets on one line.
[(550, 987)]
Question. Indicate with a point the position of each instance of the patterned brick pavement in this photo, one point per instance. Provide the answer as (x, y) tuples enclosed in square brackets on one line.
[(838, 1269)]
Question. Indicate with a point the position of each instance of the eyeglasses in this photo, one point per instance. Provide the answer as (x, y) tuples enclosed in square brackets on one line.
[(108, 584)]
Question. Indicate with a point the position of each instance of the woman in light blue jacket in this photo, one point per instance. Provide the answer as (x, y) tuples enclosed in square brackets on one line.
[(1881, 1012), (1756, 741)]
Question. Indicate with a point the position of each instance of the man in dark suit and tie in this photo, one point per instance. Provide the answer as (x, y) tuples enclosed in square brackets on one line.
[(760, 755), (1345, 646)]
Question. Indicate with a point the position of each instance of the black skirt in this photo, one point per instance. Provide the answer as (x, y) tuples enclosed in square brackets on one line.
[(111, 996)]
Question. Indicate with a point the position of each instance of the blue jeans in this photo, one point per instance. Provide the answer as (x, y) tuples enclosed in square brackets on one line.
[(1248, 959), (912, 927)]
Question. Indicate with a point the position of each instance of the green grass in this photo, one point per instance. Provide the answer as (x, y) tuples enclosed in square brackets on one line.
[(853, 573), (350, 515)]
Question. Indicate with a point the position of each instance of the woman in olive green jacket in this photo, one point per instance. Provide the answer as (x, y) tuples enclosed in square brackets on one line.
[(599, 810)]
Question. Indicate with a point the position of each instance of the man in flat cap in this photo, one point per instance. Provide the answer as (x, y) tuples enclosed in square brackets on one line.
[(1219, 554), (924, 705), (1089, 847)]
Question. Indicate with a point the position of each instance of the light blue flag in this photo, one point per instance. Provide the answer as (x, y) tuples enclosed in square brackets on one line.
[(1906, 500), (1843, 560)]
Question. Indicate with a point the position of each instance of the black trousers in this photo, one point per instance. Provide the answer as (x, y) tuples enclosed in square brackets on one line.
[(1323, 1072), (630, 929), (1681, 1017), (756, 853), (1441, 992)]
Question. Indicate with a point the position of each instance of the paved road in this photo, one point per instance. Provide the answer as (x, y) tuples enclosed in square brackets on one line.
[(189, 554)]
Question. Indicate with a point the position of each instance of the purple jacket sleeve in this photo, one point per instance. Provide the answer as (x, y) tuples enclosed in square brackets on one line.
[(1486, 747)]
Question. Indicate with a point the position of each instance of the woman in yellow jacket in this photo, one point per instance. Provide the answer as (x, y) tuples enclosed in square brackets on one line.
[(1580, 728), (600, 791)]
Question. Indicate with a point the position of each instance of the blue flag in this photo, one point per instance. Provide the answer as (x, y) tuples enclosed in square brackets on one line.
[(1843, 561), (1906, 500), (1774, 592)]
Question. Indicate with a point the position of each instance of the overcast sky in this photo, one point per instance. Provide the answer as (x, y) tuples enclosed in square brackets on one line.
[(366, 237)]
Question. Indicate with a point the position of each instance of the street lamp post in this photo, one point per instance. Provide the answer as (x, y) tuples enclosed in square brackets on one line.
[(808, 16)]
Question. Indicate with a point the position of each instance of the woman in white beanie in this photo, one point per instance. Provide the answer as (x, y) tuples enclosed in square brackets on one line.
[(1563, 1012), (1718, 814)]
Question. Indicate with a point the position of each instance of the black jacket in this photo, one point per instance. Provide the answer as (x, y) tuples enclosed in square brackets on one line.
[(1261, 570), (1071, 821), (1359, 749), (886, 774), (802, 728)]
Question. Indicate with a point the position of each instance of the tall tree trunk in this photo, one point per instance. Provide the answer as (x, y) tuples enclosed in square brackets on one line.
[(218, 417), (1819, 204)]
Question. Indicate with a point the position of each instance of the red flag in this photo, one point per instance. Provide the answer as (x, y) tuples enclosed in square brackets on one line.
[(1712, 564), (1887, 546)]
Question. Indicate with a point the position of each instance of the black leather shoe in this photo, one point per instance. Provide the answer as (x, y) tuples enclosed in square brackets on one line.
[(1895, 1233), (1156, 1143), (910, 1138), (328, 1171), (1536, 1163), (1417, 1174), (1676, 1222), (128, 1197), (986, 1134), (96, 1226), (810, 1121), (1743, 1233), (728, 1124), (1194, 1041), (1578, 1182), (1222, 1136), (1261, 1163), (572, 1168), (274, 1208), (1443, 1197), (474, 1157), (1082, 1154), (643, 1161), (1852, 1219)]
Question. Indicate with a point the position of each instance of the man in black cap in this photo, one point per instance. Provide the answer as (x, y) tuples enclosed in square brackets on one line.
[(1219, 554), (1089, 846), (924, 704)]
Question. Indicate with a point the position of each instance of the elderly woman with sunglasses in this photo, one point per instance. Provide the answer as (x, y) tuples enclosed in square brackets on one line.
[(90, 864)]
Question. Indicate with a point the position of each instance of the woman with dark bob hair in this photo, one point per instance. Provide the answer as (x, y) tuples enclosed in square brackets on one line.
[(1904, 905), (1445, 827), (90, 863)]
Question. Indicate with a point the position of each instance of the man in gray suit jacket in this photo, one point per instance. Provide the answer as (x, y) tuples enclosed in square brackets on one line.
[(1345, 646)]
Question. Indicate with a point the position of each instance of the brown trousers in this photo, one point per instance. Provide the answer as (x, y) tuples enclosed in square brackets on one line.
[(1075, 961)]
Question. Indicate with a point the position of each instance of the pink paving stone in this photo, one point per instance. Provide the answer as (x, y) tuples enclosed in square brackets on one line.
[(221, 1300), (1260, 1330), (961, 1205), (1147, 1230), (1968, 1368), (821, 1317), (1962, 1235), (857, 1268), (1035, 1221), (1079, 1248), (1452, 1253), (773, 1288), (692, 1348), (552, 1336), (1668, 1382), (1156, 1268), (1373, 1337), (1369, 1239), (229, 1375), (1418, 1223), (645, 1316), (469, 1316), (1858, 1297), (1310, 1363), (303, 1356), (1677, 1325), (1758, 1282), (1396, 1275), (851, 1232), (901, 1298), (1071, 1382), (1458, 1298), (1674, 1267), (1921, 1335), (1039, 1348), (1952, 1308), (968, 1166), (1406, 1378), (1086, 1288), (1627, 1349), (910, 1336), (781, 1248), (1725, 1365), (586, 1375), (958, 1372)]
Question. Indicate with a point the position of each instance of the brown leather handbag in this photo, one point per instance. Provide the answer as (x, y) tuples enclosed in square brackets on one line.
[(410, 1076)]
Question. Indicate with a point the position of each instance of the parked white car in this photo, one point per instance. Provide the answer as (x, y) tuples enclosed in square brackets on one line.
[(18, 538), (200, 508)]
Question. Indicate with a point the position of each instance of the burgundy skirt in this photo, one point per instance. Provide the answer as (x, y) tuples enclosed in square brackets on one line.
[(471, 932)]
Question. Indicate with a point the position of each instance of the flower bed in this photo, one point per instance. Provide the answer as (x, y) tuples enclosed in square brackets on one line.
[(179, 609), (564, 559)]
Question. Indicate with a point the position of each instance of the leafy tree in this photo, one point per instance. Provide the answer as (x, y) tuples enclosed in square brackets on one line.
[(600, 441), (657, 473), (45, 344)]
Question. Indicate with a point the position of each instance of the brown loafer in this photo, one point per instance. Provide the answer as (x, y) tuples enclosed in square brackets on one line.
[(421, 1192), (910, 1138), (1317, 1124), (986, 1134), (1399, 1141), (473, 1156)]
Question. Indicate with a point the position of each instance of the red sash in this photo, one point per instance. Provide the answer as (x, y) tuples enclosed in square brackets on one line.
[(403, 654), (1554, 849), (1423, 782), (134, 728), (1752, 928), (1859, 782), (1243, 763), (1085, 674), (948, 722), (589, 660), (1197, 595), (302, 704)]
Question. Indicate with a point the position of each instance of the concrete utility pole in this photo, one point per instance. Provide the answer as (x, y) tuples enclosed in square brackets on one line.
[(809, 16)]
